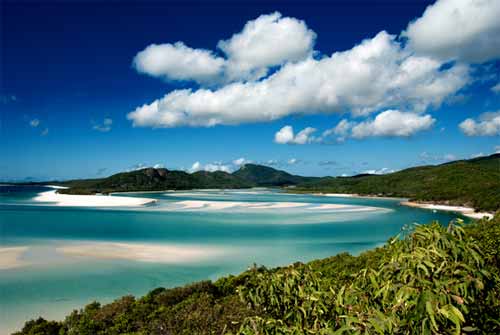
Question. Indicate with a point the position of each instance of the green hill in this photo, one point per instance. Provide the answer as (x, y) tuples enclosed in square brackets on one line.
[(151, 179), (473, 182), (430, 280), (266, 176)]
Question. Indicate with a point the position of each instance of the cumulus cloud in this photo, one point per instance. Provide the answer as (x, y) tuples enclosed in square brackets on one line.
[(390, 123), (105, 126), (488, 124), (241, 161), (178, 62), (376, 74), (393, 123), (464, 30), (212, 167), (379, 171), (34, 123), (286, 135), (267, 41)]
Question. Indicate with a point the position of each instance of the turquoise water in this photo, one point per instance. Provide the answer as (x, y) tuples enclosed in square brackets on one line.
[(251, 228)]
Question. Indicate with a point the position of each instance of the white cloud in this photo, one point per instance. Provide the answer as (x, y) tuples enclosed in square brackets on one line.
[(105, 126), (34, 123), (376, 74), (496, 88), (195, 167), (159, 166), (178, 62), (211, 167), (241, 161), (379, 171), (497, 149), (393, 123), (488, 124), (286, 136), (292, 161), (269, 40), (464, 30), (45, 132)]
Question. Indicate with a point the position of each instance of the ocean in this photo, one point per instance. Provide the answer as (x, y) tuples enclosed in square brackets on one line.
[(54, 259)]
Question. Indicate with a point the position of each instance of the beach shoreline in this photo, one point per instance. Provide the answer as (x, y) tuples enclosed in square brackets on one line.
[(71, 200), (465, 211)]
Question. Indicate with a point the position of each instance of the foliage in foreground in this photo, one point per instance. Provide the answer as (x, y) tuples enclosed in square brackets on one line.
[(432, 280)]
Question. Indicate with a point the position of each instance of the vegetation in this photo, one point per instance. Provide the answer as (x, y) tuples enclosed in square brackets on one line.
[(474, 183), (429, 280), (151, 179), (267, 176)]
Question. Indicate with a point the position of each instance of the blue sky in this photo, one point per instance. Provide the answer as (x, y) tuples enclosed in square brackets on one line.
[(78, 77)]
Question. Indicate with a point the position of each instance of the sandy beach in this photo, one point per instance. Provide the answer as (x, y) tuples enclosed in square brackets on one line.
[(466, 211), (10, 257), (90, 200), (157, 253)]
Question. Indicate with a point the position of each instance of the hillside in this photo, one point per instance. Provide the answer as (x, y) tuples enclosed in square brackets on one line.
[(151, 179), (473, 182), (432, 280), (266, 176)]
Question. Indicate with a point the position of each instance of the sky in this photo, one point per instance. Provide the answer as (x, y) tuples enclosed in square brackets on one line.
[(91, 88)]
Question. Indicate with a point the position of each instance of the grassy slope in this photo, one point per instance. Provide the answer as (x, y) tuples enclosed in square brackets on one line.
[(434, 280), (474, 183)]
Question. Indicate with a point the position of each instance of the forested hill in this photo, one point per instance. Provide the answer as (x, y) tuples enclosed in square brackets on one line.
[(151, 179), (267, 176), (474, 182)]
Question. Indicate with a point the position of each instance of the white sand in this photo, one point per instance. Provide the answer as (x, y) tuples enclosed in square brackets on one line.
[(342, 195), (90, 200), (10, 257), (333, 206), (277, 205), (466, 211), (236, 205), (157, 253)]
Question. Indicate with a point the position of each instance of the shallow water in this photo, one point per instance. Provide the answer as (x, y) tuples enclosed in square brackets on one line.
[(77, 255)]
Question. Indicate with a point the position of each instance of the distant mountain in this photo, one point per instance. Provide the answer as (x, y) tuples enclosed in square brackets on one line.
[(266, 176), (474, 182), (151, 179)]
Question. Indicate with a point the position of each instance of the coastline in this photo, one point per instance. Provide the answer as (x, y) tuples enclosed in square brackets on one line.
[(465, 211), (59, 199), (355, 195)]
